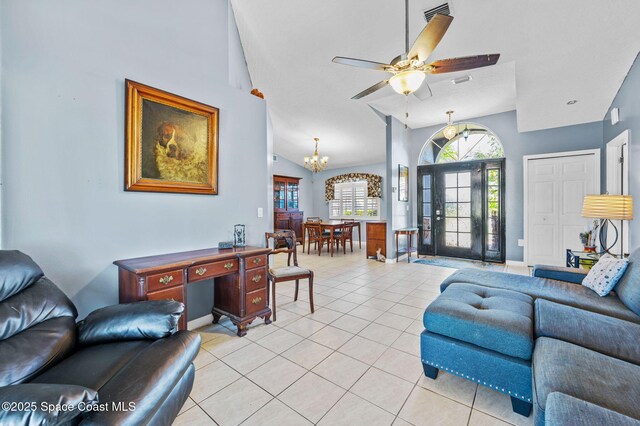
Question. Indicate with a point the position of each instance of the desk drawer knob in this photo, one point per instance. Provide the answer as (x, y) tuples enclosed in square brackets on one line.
[(256, 278), (166, 279), (256, 300), (228, 265), (201, 271), (257, 260)]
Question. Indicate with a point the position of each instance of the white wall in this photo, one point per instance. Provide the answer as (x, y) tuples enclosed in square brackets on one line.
[(64, 65), (284, 167)]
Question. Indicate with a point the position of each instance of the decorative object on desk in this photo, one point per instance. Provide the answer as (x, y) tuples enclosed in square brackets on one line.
[(315, 163), (403, 183), (608, 207), (225, 244), (171, 142), (238, 236), (605, 274)]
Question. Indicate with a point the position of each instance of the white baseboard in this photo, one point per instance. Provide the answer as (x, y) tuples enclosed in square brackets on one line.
[(200, 322), (515, 263)]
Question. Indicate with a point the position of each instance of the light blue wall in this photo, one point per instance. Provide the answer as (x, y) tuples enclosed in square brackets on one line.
[(516, 145), (628, 100), (64, 65), (401, 212), (285, 167)]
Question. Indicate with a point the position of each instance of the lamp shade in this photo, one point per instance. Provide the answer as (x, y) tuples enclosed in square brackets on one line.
[(407, 82), (606, 206)]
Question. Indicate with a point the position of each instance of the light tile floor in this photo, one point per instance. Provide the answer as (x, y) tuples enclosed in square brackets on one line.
[(355, 361)]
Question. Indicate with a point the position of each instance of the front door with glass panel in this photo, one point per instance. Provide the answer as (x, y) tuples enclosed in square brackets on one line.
[(461, 209)]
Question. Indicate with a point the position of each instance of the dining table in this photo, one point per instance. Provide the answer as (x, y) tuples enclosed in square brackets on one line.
[(332, 226)]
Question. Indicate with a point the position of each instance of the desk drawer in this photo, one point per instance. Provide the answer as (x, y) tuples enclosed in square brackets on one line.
[(256, 261), (256, 279), (175, 293), (164, 280), (213, 269), (255, 301)]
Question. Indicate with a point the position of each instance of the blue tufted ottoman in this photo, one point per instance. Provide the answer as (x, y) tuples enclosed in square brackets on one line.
[(484, 335)]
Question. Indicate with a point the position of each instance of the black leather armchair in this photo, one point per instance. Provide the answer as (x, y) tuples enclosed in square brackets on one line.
[(123, 364)]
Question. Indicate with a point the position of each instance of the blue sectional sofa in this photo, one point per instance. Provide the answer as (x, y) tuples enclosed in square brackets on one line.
[(584, 366)]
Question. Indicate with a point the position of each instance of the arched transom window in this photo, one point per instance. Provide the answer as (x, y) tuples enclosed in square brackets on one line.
[(473, 142)]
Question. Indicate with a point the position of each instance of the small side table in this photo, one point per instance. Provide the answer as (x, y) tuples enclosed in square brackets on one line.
[(577, 259), (409, 232)]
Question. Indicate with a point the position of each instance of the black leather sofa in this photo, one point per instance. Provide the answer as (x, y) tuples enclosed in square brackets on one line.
[(123, 364)]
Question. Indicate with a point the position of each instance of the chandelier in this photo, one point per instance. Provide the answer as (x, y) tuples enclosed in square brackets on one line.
[(450, 131), (315, 163)]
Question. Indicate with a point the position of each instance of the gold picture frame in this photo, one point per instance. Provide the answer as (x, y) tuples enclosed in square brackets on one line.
[(171, 142)]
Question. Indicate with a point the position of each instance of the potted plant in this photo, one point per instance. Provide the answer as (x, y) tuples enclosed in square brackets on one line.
[(586, 238)]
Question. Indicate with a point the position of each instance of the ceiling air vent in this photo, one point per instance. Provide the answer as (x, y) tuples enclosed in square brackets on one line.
[(443, 9)]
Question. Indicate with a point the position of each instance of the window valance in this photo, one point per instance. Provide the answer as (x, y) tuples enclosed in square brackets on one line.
[(374, 184)]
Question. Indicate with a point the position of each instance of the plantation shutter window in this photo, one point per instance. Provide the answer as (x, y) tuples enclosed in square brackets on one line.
[(351, 202)]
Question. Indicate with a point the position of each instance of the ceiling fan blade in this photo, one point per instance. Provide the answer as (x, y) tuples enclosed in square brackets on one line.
[(361, 63), (371, 89), (429, 38), (465, 63), (423, 92)]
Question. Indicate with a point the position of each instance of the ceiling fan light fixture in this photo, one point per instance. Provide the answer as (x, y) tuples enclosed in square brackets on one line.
[(407, 82)]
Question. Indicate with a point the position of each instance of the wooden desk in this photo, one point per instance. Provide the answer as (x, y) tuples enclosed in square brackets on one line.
[(409, 232), (240, 275)]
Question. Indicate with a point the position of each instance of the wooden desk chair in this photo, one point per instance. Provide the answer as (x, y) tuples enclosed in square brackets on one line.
[(346, 235), (287, 273), (316, 236)]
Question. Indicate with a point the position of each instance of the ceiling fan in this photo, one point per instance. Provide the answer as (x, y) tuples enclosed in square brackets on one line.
[(409, 69)]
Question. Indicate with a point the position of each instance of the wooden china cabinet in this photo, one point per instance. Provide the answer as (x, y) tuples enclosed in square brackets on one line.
[(286, 212)]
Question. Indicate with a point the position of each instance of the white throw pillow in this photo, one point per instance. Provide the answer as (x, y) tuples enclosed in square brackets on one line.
[(604, 275)]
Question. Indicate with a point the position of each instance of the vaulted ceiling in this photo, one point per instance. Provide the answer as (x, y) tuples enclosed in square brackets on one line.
[(551, 52)]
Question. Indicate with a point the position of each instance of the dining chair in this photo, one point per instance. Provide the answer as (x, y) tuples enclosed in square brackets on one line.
[(287, 273), (316, 236), (346, 235), (356, 225)]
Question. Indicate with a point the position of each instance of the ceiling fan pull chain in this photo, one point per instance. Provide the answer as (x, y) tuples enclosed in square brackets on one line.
[(406, 111)]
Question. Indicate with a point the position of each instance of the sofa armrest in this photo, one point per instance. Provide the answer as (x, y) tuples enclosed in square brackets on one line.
[(560, 273), (44, 404), (130, 321), (146, 381), (610, 336), (565, 410)]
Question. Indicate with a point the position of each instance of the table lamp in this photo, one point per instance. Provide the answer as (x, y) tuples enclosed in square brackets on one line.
[(608, 207)]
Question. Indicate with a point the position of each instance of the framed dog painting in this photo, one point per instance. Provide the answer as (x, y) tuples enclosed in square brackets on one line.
[(171, 142)]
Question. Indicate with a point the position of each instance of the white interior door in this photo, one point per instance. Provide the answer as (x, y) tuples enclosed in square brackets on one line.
[(555, 189), (618, 183)]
